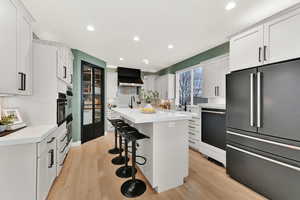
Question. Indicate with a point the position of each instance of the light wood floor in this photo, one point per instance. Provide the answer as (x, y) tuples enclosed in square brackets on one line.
[(89, 175)]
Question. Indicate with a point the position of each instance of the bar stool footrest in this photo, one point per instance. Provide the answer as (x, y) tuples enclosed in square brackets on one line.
[(115, 151), (125, 172), (119, 160)]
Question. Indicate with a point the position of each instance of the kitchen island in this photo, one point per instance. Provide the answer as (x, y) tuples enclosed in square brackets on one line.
[(167, 149)]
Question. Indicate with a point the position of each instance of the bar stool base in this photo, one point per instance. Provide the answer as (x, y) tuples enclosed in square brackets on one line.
[(125, 172), (133, 188), (119, 160), (115, 151)]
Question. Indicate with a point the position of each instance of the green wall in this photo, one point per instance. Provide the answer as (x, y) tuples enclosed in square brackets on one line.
[(209, 54), (76, 101)]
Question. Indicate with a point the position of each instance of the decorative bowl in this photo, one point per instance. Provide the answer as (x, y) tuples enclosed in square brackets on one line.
[(148, 109)]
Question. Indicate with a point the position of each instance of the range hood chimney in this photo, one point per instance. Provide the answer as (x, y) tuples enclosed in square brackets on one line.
[(129, 77)]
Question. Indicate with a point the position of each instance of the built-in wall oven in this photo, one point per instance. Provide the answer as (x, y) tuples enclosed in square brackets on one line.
[(61, 108)]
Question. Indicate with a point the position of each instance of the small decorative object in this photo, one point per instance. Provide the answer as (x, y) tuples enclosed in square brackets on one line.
[(148, 109), (4, 122), (16, 120)]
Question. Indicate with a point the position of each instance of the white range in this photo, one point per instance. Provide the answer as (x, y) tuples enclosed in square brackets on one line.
[(166, 150)]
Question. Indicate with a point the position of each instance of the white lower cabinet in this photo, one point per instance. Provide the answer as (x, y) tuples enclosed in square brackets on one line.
[(30, 169), (194, 132), (46, 166), (42, 174)]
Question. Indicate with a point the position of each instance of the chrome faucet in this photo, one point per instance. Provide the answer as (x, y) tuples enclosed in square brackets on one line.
[(132, 99)]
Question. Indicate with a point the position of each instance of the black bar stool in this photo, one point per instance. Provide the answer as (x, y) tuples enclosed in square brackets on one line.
[(134, 187), (126, 171), (120, 159), (115, 150)]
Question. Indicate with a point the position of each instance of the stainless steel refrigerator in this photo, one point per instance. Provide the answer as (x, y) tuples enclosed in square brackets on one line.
[(263, 129)]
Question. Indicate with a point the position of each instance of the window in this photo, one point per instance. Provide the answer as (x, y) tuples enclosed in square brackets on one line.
[(198, 85), (190, 86), (185, 87)]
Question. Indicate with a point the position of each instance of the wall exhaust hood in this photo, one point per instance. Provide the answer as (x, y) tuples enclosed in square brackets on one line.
[(129, 77)]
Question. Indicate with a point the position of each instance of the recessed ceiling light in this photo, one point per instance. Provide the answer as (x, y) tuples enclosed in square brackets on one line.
[(136, 38), (146, 61), (90, 28), (230, 5), (170, 46), (121, 59)]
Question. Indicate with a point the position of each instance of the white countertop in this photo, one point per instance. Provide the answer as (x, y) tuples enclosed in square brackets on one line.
[(135, 116), (213, 106), (31, 134)]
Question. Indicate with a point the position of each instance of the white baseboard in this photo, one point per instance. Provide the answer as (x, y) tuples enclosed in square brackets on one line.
[(76, 144)]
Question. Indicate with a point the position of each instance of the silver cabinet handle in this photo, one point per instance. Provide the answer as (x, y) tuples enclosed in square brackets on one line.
[(213, 112), (258, 99), (264, 158), (251, 99)]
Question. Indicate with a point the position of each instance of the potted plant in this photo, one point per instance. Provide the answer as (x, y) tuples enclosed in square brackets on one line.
[(4, 122)]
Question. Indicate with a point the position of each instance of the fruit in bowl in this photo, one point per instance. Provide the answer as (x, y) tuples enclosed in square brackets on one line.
[(148, 109)]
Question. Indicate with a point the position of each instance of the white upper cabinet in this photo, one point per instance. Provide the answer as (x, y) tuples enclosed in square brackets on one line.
[(8, 47), (274, 41), (65, 65), (15, 48), (214, 75), (246, 49), (165, 86), (282, 37), (25, 53), (149, 82)]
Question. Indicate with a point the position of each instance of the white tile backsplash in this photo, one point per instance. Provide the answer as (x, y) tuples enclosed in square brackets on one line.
[(217, 100)]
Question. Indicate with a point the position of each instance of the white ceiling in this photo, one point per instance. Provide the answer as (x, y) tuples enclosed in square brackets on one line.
[(192, 26)]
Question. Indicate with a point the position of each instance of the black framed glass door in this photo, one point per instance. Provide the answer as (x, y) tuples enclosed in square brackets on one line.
[(92, 103)]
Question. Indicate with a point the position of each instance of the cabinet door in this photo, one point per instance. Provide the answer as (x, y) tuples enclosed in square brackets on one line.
[(209, 82), (61, 64), (25, 52), (171, 86), (8, 47), (246, 49), (52, 166), (221, 70), (282, 38), (42, 176)]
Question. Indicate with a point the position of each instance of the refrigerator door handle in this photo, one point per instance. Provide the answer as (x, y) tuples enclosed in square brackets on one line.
[(264, 158), (259, 99), (251, 99), (265, 141)]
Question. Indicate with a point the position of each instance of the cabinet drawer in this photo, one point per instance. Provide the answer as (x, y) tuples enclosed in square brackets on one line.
[(193, 128), (43, 146), (62, 141), (194, 123), (193, 138)]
